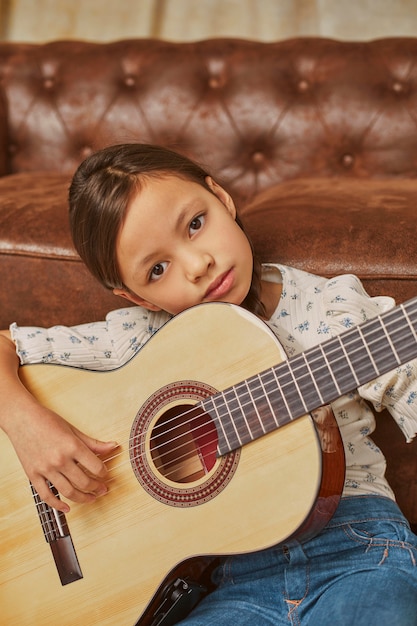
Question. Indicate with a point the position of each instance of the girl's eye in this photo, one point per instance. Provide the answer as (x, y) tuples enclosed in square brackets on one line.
[(158, 270), (197, 223)]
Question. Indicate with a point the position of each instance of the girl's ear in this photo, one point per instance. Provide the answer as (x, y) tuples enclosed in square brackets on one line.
[(222, 195), (132, 297)]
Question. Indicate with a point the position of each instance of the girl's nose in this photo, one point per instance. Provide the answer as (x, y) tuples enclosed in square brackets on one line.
[(197, 265)]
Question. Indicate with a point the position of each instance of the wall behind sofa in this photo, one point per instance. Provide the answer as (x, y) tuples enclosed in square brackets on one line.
[(185, 20)]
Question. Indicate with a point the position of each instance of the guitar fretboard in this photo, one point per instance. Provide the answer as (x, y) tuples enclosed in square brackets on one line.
[(315, 377)]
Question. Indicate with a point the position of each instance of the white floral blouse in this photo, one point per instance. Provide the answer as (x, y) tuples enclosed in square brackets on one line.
[(311, 310)]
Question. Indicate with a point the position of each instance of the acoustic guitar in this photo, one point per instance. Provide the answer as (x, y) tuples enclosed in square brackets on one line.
[(226, 447)]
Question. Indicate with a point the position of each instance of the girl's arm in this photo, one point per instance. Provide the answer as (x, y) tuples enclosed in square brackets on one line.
[(48, 447)]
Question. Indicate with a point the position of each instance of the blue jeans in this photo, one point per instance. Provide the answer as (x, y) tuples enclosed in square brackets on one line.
[(361, 570)]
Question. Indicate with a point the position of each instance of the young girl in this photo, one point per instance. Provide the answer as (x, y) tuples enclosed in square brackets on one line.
[(156, 229)]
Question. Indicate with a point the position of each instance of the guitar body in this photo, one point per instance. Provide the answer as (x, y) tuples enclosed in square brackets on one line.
[(162, 509)]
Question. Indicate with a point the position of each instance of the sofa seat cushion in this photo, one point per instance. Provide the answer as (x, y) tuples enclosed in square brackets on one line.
[(44, 281), (333, 226)]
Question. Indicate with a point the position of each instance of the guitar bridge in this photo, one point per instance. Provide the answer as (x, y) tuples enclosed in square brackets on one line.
[(57, 535)]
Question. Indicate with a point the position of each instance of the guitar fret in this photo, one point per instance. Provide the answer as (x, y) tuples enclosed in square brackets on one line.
[(404, 345), (252, 409), (383, 355), (370, 355), (269, 419), (279, 383), (328, 361), (224, 444), (389, 340), (238, 414), (225, 420), (278, 404), (304, 382), (409, 322), (236, 425), (316, 387), (319, 364), (296, 387), (245, 415), (355, 355), (291, 391), (348, 361)]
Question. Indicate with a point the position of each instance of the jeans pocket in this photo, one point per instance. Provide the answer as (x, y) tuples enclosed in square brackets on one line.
[(376, 531)]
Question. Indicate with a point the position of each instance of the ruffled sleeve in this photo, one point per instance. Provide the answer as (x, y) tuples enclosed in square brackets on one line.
[(103, 345), (347, 304)]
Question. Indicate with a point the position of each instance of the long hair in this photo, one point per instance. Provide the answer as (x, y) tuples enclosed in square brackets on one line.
[(99, 195)]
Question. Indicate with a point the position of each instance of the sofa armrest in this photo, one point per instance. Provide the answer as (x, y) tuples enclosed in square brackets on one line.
[(44, 281)]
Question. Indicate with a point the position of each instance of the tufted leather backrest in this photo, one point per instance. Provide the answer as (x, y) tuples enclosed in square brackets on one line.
[(253, 113)]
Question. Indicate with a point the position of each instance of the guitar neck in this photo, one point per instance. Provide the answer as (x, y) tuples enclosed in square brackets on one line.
[(292, 388)]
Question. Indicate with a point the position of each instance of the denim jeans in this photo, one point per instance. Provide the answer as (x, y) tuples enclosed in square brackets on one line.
[(361, 570)]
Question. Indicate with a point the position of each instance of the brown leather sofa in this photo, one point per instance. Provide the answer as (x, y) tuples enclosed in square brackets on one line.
[(315, 138)]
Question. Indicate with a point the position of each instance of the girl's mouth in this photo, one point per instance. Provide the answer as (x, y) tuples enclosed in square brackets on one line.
[(220, 286)]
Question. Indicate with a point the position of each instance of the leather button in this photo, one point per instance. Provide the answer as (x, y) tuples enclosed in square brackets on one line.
[(215, 82), (397, 86), (130, 81), (348, 160), (86, 151), (258, 157)]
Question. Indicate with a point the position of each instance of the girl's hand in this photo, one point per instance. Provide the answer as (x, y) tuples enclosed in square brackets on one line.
[(48, 447), (51, 449)]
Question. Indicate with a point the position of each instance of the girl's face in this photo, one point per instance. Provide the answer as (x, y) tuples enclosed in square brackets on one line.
[(180, 245)]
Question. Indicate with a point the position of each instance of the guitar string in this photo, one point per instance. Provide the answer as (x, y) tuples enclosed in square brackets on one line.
[(214, 441)]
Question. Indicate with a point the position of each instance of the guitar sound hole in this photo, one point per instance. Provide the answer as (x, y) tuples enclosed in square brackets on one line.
[(183, 444), (173, 447)]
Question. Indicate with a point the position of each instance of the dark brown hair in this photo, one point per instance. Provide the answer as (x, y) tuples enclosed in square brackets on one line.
[(100, 192)]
